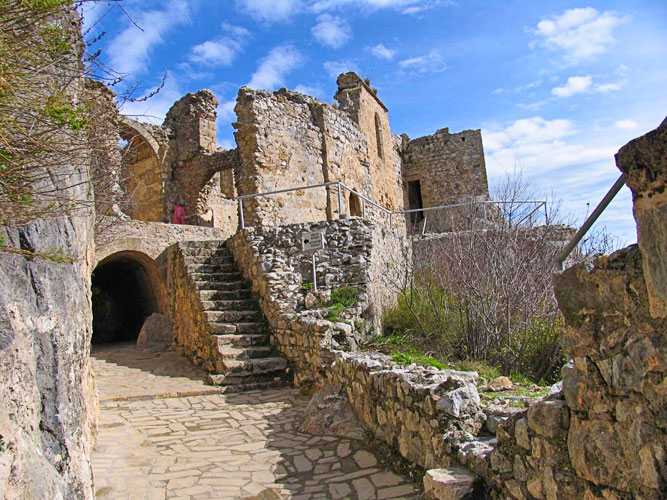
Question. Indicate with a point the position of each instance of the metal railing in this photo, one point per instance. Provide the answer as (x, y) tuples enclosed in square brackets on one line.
[(484, 203), (367, 201), (341, 186), (620, 182)]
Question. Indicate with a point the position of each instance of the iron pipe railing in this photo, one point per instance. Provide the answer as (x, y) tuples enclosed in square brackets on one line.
[(620, 182)]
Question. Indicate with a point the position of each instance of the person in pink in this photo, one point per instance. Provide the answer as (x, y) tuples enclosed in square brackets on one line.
[(179, 214)]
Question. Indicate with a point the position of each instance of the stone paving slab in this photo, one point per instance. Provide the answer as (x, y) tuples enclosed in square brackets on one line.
[(220, 446), (124, 372)]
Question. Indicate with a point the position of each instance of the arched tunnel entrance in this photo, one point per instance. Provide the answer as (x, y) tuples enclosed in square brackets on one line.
[(123, 296)]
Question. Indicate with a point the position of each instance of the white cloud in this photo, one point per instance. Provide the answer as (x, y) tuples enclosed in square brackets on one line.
[(222, 50), (432, 62), (608, 87), (312, 91), (580, 33), (626, 125), (583, 84), (574, 85), (335, 68), (130, 50), (272, 69), (226, 111), (382, 52), (410, 7), (271, 10), (332, 31), (538, 145)]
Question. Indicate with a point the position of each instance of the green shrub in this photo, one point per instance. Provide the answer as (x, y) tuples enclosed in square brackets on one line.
[(341, 298)]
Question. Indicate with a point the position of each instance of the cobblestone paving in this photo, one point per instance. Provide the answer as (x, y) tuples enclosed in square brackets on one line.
[(163, 434)]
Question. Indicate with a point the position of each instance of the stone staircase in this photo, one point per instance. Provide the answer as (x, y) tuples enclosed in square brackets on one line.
[(234, 319)]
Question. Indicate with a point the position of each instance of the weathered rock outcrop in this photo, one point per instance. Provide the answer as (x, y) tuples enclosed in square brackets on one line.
[(644, 162), (47, 416)]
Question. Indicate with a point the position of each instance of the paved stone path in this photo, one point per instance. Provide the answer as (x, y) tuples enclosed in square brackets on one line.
[(164, 434)]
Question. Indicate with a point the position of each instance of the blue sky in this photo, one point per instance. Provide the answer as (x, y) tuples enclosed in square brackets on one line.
[(557, 87)]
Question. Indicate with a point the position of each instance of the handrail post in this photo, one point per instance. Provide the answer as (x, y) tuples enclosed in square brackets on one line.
[(363, 208), (340, 201), (424, 227), (241, 213)]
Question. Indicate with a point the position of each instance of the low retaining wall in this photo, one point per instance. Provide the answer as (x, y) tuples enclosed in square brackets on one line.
[(414, 409)]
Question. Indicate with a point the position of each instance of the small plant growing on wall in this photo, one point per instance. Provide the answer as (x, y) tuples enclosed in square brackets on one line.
[(342, 298)]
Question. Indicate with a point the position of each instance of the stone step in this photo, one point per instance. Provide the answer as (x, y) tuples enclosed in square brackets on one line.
[(259, 366), (452, 483), (205, 252), (251, 352), (240, 328), (242, 340), (211, 268), (222, 285), (231, 384), (230, 305), (233, 316), (217, 277), (209, 259), (213, 295)]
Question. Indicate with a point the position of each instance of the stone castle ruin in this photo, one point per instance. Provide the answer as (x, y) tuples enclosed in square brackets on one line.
[(288, 140), (233, 286)]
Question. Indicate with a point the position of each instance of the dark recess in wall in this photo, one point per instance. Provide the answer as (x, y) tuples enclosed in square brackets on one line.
[(122, 299)]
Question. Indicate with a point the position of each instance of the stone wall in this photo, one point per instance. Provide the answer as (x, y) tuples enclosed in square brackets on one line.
[(186, 311), (450, 168), (282, 277), (143, 180), (280, 147), (413, 409), (280, 272), (287, 139), (369, 114)]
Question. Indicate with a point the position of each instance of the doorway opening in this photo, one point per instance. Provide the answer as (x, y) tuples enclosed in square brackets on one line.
[(123, 297), (415, 200)]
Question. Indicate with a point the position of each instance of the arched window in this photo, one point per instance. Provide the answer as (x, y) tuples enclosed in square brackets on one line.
[(378, 135)]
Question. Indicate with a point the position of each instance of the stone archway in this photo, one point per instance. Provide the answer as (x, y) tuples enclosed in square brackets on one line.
[(143, 179), (126, 289)]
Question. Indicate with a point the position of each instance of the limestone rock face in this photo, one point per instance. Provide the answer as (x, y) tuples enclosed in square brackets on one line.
[(47, 414), (644, 161), (614, 388), (329, 414), (156, 332)]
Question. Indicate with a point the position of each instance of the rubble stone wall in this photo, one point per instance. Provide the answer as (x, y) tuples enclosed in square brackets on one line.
[(186, 311), (413, 409), (282, 277)]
